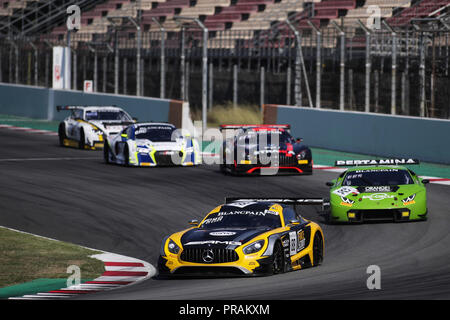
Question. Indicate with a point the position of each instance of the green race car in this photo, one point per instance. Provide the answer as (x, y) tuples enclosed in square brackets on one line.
[(376, 190)]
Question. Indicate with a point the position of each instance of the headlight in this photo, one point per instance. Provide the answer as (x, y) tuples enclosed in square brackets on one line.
[(301, 155), (143, 150), (409, 199), (173, 247), (254, 247)]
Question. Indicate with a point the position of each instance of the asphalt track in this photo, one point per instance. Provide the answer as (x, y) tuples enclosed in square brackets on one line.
[(71, 195)]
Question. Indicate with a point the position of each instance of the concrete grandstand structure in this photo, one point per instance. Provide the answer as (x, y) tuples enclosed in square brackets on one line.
[(346, 45)]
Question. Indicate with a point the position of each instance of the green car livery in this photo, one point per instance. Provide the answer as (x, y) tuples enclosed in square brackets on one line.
[(375, 190)]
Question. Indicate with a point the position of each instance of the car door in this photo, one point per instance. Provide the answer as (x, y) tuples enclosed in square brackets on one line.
[(73, 125), (122, 141)]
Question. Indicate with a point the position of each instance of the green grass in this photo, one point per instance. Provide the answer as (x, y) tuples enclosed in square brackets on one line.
[(24, 257), (29, 123), (228, 114)]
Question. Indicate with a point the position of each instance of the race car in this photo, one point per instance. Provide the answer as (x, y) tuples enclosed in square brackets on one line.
[(86, 126), (264, 149), (245, 237), (151, 144), (377, 190)]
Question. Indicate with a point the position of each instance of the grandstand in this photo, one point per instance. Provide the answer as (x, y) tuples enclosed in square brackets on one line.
[(249, 33)]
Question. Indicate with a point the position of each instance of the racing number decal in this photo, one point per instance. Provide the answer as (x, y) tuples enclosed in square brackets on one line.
[(293, 243), (297, 242)]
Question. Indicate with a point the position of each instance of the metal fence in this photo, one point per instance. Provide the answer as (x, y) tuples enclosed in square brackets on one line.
[(385, 71)]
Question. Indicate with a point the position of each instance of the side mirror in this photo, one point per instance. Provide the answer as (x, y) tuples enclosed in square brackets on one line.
[(193, 222), (299, 140), (330, 184), (124, 135), (294, 222), (425, 181)]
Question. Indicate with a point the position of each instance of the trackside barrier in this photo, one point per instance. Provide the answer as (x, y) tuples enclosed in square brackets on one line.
[(40, 103), (373, 134)]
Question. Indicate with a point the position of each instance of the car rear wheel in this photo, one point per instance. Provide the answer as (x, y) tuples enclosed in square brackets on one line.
[(61, 134), (126, 155), (317, 249), (106, 152), (82, 140)]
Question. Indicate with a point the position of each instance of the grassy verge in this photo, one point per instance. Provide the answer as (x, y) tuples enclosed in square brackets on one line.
[(29, 123), (24, 257), (228, 114)]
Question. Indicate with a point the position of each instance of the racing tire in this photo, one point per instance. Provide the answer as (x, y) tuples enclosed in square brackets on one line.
[(62, 134), (126, 155), (278, 265), (82, 141), (106, 153), (317, 250)]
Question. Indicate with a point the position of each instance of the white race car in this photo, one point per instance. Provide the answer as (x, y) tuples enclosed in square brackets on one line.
[(86, 126), (152, 144)]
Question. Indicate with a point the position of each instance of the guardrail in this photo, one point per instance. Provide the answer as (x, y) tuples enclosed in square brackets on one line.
[(366, 133), (40, 103)]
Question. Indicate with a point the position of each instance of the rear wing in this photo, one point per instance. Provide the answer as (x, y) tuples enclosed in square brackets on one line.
[(376, 162), (118, 123), (254, 126), (290, 201), (64, 108)]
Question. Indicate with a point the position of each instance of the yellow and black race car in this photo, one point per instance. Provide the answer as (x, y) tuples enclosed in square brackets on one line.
[(245, 237)]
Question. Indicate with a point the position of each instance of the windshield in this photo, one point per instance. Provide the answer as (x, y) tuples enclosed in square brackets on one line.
[(281, 137), (156, 133), (242, 218), (378, 177), (110, 115)]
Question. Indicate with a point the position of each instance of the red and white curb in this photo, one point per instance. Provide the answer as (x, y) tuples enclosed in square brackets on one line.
[(28, 130), (120, 271)]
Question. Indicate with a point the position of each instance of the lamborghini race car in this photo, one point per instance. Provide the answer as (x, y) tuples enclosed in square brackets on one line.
[(87, 126), (264, 149), (151, 144), (245, 237), (378, 190)]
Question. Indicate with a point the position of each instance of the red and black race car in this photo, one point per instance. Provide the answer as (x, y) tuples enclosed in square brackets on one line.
[(263, 149)]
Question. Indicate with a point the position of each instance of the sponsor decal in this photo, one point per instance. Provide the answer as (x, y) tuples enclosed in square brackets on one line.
[(212, 220), (222, 233), (247, 212), (241, 204), (377, 189), (409, 200), (376, 170), (376, 162), (347, 202), (301, 240), (378, 196), (345, 191), (230, 243)]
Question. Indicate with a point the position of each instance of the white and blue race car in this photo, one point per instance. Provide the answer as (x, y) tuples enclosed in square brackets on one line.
[(86, 126), (152, 144)]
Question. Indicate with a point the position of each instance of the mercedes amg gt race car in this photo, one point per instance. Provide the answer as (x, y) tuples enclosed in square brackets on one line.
[(151, 144), (378, 190), (265, 149), (87, 126), (245, 237)]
